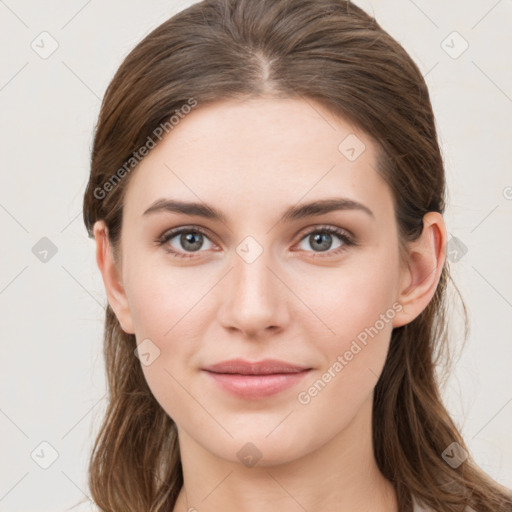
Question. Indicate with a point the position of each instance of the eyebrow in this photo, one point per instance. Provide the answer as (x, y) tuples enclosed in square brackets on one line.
[(296, 212)]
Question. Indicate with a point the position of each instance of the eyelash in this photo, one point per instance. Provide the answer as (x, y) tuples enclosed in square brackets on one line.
[(347, 240)]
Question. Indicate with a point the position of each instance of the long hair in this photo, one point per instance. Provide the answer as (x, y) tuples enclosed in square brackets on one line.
[(334, 53)]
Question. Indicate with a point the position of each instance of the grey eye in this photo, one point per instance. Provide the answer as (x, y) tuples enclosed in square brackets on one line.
[(321, 241)]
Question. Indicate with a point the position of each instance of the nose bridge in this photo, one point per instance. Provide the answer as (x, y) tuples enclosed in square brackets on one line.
[(255, 300), (252, 281)]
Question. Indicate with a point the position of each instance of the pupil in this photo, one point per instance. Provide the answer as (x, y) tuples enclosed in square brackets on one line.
[(188, 239), (325, 237)]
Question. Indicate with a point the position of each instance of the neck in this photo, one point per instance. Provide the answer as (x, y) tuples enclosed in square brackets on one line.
[(340, 475)]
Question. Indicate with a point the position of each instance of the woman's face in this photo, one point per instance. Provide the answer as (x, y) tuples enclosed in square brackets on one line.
[(264, 280)]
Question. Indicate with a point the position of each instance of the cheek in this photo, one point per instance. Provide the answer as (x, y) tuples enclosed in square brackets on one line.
[(353, 357), (356, 310), (168, 316), (347, 300), (161, 298)]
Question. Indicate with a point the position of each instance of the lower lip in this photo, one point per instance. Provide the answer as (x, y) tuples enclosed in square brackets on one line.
[(256, 386)]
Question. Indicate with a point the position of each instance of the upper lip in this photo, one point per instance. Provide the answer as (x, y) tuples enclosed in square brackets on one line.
[(264, 367)]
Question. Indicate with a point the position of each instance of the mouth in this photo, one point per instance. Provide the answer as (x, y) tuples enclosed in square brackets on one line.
[(255, 380), (264, 367)]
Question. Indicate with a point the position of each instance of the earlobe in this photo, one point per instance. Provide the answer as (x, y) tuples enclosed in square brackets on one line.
[(110, 271), (427, 256)]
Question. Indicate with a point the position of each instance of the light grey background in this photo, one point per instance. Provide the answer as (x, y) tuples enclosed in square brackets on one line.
[(52, 377)]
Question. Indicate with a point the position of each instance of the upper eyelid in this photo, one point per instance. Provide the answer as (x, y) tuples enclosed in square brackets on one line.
[(327, 227)]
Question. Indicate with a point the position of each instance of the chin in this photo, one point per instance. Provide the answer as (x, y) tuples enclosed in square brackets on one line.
[(255, 448)]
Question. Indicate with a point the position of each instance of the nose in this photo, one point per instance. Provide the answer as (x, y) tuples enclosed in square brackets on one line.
[(255, 299)]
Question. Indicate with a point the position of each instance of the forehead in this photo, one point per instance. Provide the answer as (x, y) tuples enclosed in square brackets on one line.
[(259, 153)]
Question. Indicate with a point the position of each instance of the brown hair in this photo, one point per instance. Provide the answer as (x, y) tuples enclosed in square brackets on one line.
[(332, 52)]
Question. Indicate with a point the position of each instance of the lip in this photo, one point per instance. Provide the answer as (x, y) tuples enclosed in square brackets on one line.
[(263, 367), (254, 380)]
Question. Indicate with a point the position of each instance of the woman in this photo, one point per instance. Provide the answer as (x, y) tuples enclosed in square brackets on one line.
[(267, 197)]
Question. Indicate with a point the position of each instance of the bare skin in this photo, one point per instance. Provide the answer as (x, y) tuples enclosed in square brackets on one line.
[(297, 301)]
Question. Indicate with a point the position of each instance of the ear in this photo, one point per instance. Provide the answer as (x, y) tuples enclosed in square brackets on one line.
[(110, 271), (419, 280)]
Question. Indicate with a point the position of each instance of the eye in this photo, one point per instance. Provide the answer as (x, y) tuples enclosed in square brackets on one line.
[(189, 238), (320, 239), (192, 239)]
